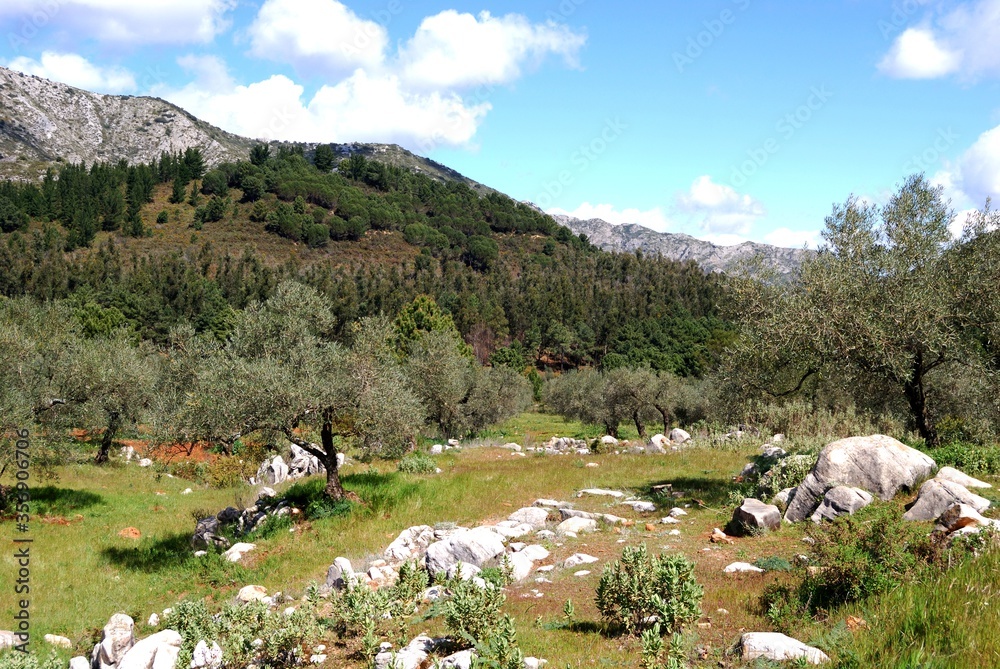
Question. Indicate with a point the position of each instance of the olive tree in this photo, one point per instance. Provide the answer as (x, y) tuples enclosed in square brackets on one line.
[(584, 395), (883, 302)]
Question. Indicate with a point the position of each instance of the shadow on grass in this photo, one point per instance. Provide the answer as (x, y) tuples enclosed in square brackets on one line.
[(381, 492), (710, 491), (170, 552), (50, 500)]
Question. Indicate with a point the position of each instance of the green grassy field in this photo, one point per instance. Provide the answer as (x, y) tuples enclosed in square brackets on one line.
[(83, 570)]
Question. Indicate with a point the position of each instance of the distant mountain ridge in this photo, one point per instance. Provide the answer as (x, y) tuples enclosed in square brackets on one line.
[(630, 237)]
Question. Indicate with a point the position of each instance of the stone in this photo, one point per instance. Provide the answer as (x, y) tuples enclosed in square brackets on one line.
[(840, 501), (679, 436), (412, 656), (783, 497), (659, 441), (601, 493), (719, 537), (752, 517), (534, 663), (303, 463), (78, 662), (509, 532), (677, 512), (520, 565), (187, 491), (273, 471), (531, 515), (545, 534), (591, 464), (576, 525), (145, 462), (958, 516), (641, 506), (266, 492), (669, 520), (938, 495), (608, 440), (8, 639), (962, 479), (340, 573), (582, 572), (117, 640), (535, 552), (778, 647), (476, 546), (460, 660), (577, 559), (778, 438), (512, 447), (57, 641), (203, 657), (878, 464), (158, 651), (154, 620), (437, 449), (411, 542), (237, 551), (251, 593), (552, 504), (742, 568)]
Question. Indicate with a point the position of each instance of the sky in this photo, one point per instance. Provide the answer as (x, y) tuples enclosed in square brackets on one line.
[(728, 120)]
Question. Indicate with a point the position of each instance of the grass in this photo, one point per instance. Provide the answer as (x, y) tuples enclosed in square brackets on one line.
[(83, 571)]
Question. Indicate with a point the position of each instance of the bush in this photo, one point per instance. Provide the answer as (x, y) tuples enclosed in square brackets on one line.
[(787, 472), (639, 587), (226, 472), (473, 613), (417, 463), (162, 217), (970, 458)]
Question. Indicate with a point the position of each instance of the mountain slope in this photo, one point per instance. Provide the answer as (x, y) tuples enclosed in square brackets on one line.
[(714, 258)]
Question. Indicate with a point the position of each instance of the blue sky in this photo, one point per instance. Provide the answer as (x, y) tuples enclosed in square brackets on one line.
[(724, 119)]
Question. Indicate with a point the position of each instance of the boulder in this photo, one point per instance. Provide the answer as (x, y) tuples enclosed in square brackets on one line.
[(535, 552), (411, 542), (841, 500), (958, 516), (206, 534), (520, 565), (303, 463), (476, 546), (272, 471), (237, 551), (679, 436), (203, 657), (118, 638), (641, 507), (878, 464), (463, 571), (251, 593), (659, 441), (158, 651), (608, 440), (531, 515), (778, 647), (437, 449), (576, 525), (962, 479), (412, 656), (57, 641), (460, 660), (146, 462), (340, 573), (938, 495), (783, 497), (752, 517), (78, 662)]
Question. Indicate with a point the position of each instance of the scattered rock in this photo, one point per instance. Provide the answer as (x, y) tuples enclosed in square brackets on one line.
[(203, 657), (742, 568), (145, 462), (531, 515), (582, 572), (938, 495), (962, 479), (601, 493), (154, 620), (186, 491), (58, 641), (158, 651), (273, 471), (512, 447), (592, 465), (534, 663), (340, 573), (251, 593), (679, 436), (641, 507), (677, 512), (410, 657), (116, 641), (520, 565), (535, 552), (958, 516), (669, 520), (475, 546), (778, 647), (437, 449), (841, 500), (303, 463), (719, 537), (552, 504), (411, 542), (879, 464), (753, 517), (237, 551), (577, 559), (460, 660), (576, 525), (608, 440), (78, 662)]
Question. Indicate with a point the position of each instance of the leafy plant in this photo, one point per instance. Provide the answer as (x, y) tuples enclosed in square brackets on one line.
[(640, 589), (417, 463), (473, 613)]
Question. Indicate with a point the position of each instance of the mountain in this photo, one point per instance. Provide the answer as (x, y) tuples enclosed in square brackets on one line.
[(43, 122), (714, 258)]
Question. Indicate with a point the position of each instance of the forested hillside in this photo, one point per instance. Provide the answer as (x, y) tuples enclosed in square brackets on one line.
[(155, 245)]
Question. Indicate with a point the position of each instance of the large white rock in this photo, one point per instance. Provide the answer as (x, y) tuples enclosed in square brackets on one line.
[(753, 516), (410, 543), (251, 593), (535, 552), (742, 568), (679, 436), (531, 515), (119, 637), (158, 651), (237, 551), (879, 464), (778, 647), (937, 496), (410, 657), (576, 525), (608, 440), (340, 573), (58, 641), (552, 504), (961, 478), (463, 570), (203, 657), (460, 660), (958, 516), (273, 471), (841, 500), (577, 559), (601, 493), (78, 662), (640, 506), (520, 565), (476, 546), (512, 447)]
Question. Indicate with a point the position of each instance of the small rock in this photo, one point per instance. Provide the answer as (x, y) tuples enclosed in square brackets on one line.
[(551, 503), (669, 520), (778, 647), (512, 447), (145, 462), (742, 568), (576, 525), (582, 572), (674, 533), (535, 552), (534, 516), (437, 449), (962, 479), (236, 552), (719, 537), (186, 491), (534, 663), (251, 593), (677, 512), (203, 657), (592, 464), (753, 516), (578, 559), (58, 641), (154, 620), (641, 507), (599, 492), (841, 500)]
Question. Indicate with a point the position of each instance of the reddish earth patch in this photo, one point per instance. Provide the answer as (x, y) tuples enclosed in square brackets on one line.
[(60, 520), (130, 533)]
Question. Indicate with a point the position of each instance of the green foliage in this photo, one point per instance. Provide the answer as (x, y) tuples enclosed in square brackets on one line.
[(500, 649), (11, 217), (324, 158), (216, 182), (13, 659), (162, 217), (214, 210), (417, 463), (473, 613), (972, 459), (259, 154), (773, 563), (639, 586)]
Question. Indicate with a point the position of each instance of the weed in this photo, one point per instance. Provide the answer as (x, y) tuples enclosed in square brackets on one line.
[(773, 563), (417, 463)]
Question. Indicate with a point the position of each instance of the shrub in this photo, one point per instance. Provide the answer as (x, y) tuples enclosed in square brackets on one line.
[(773, 563), (13, 659), (970, 458), (785, 473), (417, 463), (226, 472), (162, 217), (473, 613), (639, 587)]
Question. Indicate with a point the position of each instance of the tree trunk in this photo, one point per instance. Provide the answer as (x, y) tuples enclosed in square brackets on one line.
[(114, 423), (640, 427), (611, 429), (665, 415), (334, 490), (917, 399)]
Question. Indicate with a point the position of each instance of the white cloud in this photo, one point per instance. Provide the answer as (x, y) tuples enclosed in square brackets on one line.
[(793, 239), (718, 208), (457, 50), (119, 21), (363, 107), (962, 41), (654, 218), (916, 54), (979, 168), (75, 70), (317, 35)]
